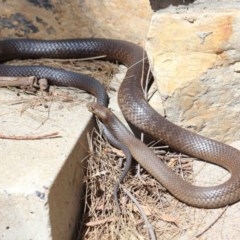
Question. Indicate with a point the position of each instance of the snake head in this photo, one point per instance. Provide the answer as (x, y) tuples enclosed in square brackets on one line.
[(103, 113)]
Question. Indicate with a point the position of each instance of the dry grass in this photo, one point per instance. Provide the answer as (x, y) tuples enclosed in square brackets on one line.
[(101, 219), (102, 71), (66, 97)]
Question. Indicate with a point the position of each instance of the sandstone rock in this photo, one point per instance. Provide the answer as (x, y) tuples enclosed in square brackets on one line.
[(71, 19), (192, 58), (183, 46)]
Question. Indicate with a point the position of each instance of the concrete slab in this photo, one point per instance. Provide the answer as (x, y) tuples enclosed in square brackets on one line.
[(40, 180)]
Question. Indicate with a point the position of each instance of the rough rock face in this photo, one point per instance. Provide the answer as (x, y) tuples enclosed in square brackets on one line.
[(52, 19), (194, 58)]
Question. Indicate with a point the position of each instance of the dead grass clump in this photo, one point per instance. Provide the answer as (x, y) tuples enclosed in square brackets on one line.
[(101, 70), (101, 219)]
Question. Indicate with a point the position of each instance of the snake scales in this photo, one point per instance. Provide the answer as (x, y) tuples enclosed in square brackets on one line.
[(135, 109)]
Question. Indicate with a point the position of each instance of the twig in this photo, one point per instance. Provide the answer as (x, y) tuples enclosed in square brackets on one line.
[(100, 222), (17, 81), (145, 90), (150, 95), (212, 224), (148, 224), (180, 165), (44, 136)]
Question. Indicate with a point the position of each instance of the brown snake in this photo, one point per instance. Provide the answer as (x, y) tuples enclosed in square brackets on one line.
[(137, 111)]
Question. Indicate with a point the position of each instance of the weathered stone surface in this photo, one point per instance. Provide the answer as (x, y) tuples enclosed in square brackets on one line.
[(192, 56), (40, 180), (183, 46), (72, 19)]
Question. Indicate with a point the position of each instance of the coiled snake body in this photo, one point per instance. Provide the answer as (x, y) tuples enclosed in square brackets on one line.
[(135, 109)]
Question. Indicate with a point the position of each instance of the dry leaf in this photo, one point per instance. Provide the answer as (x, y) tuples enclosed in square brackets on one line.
[(169, 218), (171, 162), (100, 222)]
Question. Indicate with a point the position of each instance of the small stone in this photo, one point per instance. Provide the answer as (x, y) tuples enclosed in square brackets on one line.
[(236, 67)]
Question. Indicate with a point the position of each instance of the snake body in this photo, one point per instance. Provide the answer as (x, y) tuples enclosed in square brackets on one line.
[(135, 109)]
